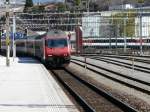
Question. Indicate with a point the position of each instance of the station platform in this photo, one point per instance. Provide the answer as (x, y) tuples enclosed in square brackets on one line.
[(26, 86)]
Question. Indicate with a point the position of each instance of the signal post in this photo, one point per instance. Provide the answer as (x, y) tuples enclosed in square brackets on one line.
[(7, 35)]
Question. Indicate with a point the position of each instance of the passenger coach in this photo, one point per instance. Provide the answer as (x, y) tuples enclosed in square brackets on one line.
[(53, 47)]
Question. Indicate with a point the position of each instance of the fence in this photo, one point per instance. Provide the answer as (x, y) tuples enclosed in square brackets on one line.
[(119, 32)]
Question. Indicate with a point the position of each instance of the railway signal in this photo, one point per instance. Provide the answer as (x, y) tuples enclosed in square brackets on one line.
[(26, 32)]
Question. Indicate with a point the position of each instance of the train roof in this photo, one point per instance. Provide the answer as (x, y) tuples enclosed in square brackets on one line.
[(135, 38), (52, 35), (54, 32), (32, 37)]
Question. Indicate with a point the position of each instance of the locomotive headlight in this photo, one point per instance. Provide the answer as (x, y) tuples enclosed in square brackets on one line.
[(65, 54), (50, 55)]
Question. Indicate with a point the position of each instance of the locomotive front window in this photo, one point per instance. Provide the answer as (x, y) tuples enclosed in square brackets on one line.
[(56, 43)]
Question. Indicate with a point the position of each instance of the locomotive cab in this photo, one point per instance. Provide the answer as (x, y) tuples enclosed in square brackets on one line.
[(57, 50)]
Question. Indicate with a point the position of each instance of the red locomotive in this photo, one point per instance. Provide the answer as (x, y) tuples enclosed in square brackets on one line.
[(53, 47)]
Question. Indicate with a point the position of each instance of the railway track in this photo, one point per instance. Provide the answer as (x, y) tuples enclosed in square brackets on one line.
[(90, 97), (105, 72), (125, 57), (124, 64), (138, 59)]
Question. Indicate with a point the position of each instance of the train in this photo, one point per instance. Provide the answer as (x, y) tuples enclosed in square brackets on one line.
[(52, 48), (113, 45), (113, 42), (110, 45)]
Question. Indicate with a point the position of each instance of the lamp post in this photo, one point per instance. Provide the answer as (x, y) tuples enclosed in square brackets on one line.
[(7, 34), (125, 36), (88, 5), (38, 2), (140, 25), (14, 33), (124, 27), (141, 47)]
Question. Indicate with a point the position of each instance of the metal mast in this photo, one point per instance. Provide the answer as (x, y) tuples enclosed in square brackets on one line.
[(7, 34)]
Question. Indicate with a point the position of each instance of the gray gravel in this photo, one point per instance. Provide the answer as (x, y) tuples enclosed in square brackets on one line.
[(99, 103), (137, 84), (135, 98), (130, 61), (128, 72)]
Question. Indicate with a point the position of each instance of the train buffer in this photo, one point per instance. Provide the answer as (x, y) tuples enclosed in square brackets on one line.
[(27, 86)]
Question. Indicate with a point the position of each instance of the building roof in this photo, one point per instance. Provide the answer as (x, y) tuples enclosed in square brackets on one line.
[(2, 2)]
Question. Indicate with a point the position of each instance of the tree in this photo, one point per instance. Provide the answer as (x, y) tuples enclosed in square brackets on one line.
[(28, 4), (61, 7), (77, 2), (38, 8), (3, 18), (140, 1), (94, 6), (129, 27)]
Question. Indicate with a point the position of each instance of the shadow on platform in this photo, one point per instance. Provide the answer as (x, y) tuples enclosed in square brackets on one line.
[(28, 60)]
